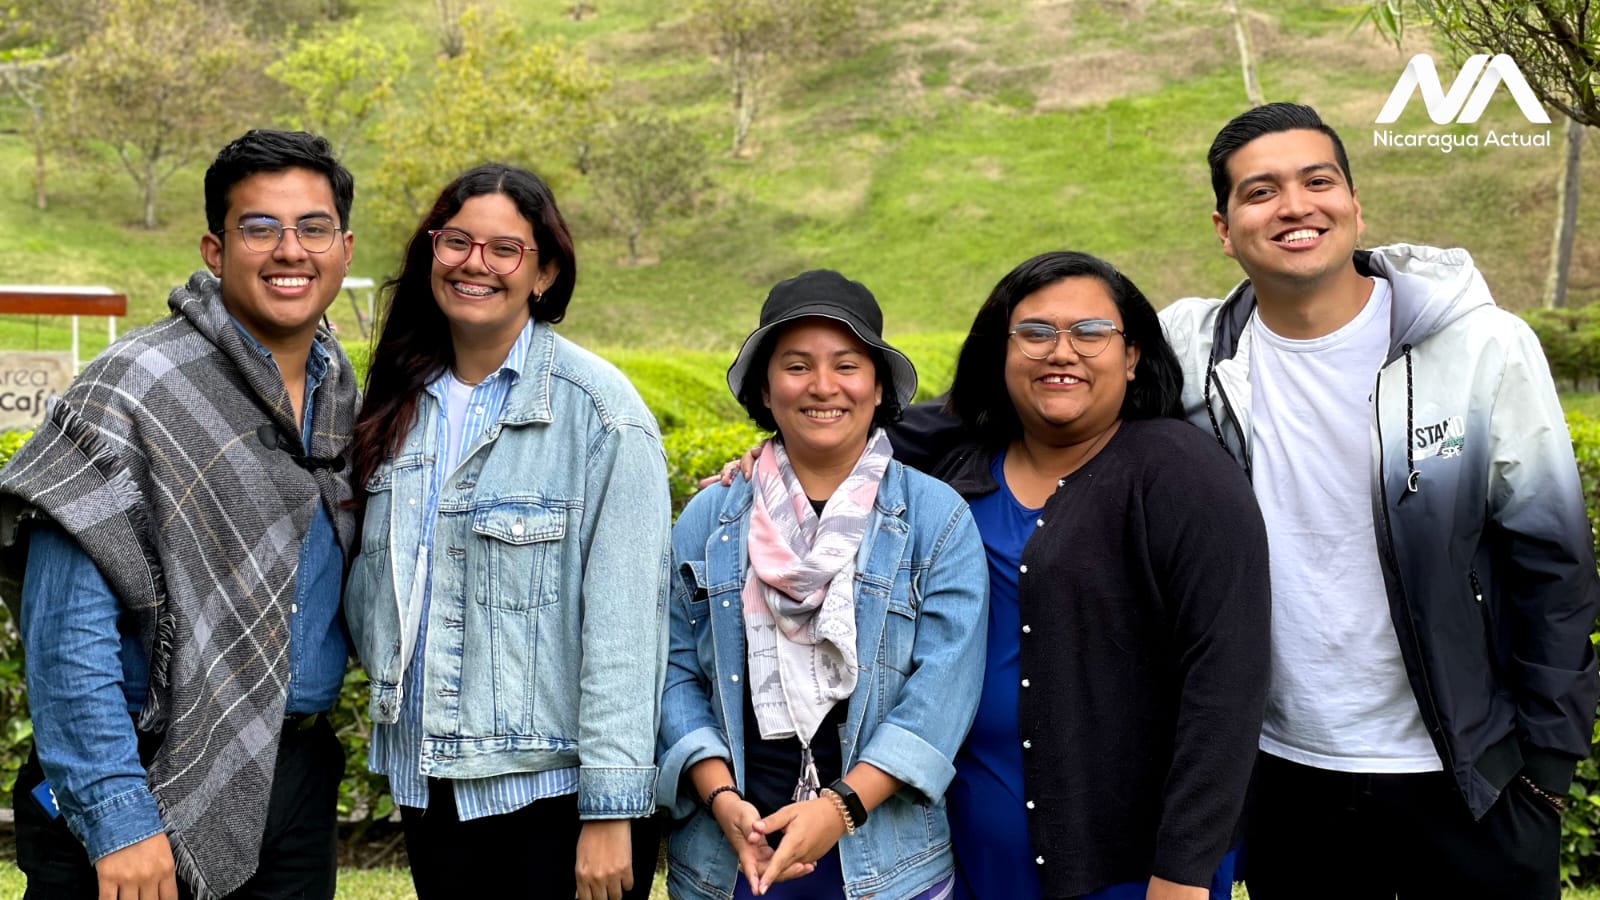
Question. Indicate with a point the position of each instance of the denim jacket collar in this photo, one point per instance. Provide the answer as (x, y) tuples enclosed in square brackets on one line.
[(529, 401)]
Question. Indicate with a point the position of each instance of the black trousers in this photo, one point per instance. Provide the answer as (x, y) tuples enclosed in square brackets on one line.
[(1317, 834), (299, 850), (528, 853)]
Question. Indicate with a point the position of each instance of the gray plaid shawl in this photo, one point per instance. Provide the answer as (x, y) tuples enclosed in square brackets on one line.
[(152, 462)]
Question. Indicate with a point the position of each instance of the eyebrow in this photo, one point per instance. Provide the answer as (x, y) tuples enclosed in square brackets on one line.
[(836, 354), (525, 242), (1260, 177), (262, 215)]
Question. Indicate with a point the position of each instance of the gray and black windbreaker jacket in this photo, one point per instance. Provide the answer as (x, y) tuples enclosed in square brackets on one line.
[(1485, 545)]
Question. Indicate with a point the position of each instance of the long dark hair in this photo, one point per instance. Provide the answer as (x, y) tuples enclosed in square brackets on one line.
[(414, 342), (979, 396)]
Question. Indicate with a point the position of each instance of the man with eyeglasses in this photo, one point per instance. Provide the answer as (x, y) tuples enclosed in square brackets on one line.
[(179, 524), (1433, 574)]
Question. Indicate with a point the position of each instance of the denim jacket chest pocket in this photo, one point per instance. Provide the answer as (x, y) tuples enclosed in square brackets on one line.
[(521, 545)]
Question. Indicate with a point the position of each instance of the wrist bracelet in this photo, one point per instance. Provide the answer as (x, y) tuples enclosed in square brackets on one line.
[(712, 797), (852, 803), (844, 812)]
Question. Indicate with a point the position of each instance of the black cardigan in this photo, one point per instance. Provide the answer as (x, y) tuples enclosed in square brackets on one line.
[(1144, 657)]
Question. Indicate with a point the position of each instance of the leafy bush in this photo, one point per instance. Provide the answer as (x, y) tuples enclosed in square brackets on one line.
[(1580, 824), (1571, 341), (694, 453)]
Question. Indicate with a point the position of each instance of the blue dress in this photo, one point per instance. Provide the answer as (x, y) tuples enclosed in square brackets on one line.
[(988, 822)]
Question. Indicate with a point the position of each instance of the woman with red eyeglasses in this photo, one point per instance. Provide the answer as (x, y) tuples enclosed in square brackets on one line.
[(507, 598)]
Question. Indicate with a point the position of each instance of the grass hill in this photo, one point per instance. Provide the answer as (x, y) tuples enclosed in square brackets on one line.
[(952, 140)]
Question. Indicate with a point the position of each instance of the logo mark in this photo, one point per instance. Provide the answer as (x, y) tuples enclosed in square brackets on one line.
[(1457, 105)]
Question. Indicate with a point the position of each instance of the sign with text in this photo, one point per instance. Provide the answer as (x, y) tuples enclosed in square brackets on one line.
[(27, 380)]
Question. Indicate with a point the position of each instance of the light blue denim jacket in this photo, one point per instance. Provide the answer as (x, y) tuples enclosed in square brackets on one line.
[(922, 590), (546, 633)]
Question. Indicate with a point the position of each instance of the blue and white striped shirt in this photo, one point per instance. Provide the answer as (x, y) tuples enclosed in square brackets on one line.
[(397, 749)]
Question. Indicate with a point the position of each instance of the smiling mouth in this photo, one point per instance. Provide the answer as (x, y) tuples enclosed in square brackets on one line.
[(1299, 236), (472, 290), (1060, 379), (825, 415), (288, 281)]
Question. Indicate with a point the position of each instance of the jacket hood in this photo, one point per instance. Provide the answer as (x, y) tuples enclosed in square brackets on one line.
[(1431, 288)]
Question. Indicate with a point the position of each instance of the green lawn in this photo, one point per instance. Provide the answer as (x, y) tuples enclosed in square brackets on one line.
[(395, 884)]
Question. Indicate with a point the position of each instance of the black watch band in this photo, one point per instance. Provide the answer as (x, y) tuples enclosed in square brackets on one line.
[(852, 802)]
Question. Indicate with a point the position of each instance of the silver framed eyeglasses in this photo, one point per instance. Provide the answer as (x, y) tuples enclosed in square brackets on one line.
[(501, 256), (315, 235), (1088, 338)]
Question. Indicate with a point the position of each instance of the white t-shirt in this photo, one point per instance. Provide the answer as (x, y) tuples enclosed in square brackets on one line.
[(456, 396), (1339, 697)]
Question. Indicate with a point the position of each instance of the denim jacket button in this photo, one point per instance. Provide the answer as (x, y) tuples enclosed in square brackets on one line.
[(724, 604), (733, 678), (724, 539), (516, 528)]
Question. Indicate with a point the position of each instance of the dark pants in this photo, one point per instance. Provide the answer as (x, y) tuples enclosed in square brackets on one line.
[(299, 850), (531, 852), (1320, 834)]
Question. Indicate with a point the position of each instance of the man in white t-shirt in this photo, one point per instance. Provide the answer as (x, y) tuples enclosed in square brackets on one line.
[(1433, 572)]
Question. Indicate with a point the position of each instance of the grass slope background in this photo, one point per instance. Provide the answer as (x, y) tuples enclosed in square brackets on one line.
[(953, 139)]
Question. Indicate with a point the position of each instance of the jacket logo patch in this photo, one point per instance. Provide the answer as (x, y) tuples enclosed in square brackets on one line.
[(1444, 439)]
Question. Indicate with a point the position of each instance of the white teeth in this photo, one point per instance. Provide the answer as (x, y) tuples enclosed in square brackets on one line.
[(1301, 236), (1061, 379), (824, 413), (474, 290), (284, 281)]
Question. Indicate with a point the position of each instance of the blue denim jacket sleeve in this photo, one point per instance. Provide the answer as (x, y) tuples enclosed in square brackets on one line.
[(624, 635), (81, 727), (918, 740), (689, 728)]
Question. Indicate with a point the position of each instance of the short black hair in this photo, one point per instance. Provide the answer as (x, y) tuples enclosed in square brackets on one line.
[(755, 381), (1263, 120), (261, 150), (979, 396)]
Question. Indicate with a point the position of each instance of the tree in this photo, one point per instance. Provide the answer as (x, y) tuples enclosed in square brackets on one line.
[(501, 100), (644, 167), (160, 84), (339, 79), (34, 35), (1556, 45), (452, 30), (750, 38)]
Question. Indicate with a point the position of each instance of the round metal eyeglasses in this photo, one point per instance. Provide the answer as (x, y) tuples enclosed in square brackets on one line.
[(501, 256), (1088, 338), (264, 235)]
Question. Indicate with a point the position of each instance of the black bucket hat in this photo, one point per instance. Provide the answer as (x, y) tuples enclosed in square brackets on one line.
[(825, 293)]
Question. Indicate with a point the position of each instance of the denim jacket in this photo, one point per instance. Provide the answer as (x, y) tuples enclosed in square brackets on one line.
[(922, 590), (546, 634)]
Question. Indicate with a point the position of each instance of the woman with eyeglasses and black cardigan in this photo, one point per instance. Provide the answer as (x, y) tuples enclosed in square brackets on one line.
[(1128, 619), (507, 600)]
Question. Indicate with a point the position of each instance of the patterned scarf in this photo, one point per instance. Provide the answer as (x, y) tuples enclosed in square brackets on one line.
[(152, 462), (799, 596)]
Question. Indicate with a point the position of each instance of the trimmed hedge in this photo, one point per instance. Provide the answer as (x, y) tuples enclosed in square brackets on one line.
[(1571, 341)]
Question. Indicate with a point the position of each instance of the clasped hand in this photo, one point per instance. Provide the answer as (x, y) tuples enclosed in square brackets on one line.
[(810, 828)]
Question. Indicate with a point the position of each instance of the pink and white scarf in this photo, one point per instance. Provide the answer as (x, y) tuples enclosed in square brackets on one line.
[(799, 595)]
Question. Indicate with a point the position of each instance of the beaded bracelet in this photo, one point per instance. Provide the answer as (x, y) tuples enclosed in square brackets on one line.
[(844, 811), (712, 797)]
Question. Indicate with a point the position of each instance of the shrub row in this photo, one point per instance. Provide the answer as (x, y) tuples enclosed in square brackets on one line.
[(1571, 341)]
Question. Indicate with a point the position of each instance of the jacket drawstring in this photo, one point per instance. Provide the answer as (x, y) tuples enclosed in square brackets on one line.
[(1413, 477)]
